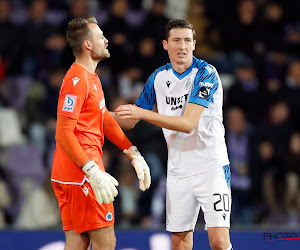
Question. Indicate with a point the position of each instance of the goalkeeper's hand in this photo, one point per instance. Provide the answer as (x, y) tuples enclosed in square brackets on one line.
[(141, 167), (103, 184)]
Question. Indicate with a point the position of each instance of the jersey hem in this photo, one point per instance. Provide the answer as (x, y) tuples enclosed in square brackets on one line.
[(185, 176), (71, 182)]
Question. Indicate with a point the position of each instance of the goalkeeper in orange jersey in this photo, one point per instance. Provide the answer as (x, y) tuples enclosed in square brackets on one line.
[(85, 192)]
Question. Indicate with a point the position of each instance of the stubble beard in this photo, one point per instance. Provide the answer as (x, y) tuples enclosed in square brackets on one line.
[(100, 55)]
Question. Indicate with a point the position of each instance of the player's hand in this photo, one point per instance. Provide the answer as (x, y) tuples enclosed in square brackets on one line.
[(141, 167), (103, 184), (129, 111)]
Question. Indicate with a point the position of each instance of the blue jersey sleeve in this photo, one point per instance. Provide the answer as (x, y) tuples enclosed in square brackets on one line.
[(147, 98), (205, 85)]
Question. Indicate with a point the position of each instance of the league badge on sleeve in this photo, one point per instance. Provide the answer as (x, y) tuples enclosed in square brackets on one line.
[(204, 93), (69, 104)]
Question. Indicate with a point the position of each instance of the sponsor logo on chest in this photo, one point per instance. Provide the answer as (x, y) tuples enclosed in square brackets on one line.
[(176, 102)]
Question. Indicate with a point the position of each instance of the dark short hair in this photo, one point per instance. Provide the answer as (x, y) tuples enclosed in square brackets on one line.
[(78, 31), (181, 24)]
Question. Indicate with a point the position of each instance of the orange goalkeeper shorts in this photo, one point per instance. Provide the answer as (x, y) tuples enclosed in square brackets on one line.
[(80, 209)]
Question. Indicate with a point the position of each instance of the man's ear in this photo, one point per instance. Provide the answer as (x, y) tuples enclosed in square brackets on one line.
[(165, 44), (87, 44)]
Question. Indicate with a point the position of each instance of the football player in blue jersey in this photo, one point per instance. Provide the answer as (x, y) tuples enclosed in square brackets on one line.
[(189, 96)]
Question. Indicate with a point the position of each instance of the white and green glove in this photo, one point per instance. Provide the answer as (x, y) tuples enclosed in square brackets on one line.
[(103, 184), (141, 167)]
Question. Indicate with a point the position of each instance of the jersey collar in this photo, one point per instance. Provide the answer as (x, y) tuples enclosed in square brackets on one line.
[(185, 73)]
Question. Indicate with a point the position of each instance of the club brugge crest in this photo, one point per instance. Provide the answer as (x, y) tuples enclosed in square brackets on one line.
[(109, 216)]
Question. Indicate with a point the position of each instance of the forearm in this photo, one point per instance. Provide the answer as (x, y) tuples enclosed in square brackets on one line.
[(124, 124), (114, 133), (176, 123)]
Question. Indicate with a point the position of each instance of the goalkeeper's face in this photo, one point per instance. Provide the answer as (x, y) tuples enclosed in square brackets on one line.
[(99, 44)]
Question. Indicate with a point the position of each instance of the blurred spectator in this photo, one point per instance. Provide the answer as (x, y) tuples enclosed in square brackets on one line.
[(271, 30), (54, 52), (207, 35), (129, 194), (147, 57), (130, 84), (293, 92), (292, 194), (273, 91), (292, 39), (238, 145), (78, 8), (177, 9), (5, 199), (9, 46), (154, 24), (277, 128), (41, 109), (119, 35), (33, 44), (275, 63), (273, 181), (40, 209), (246, 93), (242, 34)]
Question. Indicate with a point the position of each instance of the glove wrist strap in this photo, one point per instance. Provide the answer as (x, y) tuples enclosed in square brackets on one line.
[(90, 168)]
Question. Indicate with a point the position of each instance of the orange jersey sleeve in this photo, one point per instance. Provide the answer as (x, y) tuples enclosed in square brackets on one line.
[(73, 92), (114, 133), (66, 138)]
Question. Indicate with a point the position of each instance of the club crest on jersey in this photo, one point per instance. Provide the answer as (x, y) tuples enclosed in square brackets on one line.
[(204, 93), (168, 83), (69, 104), (109, 216)]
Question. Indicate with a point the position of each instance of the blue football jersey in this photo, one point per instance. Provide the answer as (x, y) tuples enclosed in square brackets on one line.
[(204, 148)]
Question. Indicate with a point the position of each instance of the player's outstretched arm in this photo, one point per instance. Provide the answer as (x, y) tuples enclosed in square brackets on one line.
[(185, 123), (115, 134)]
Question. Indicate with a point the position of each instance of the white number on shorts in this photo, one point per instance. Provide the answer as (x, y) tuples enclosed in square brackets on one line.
[(225, 199)]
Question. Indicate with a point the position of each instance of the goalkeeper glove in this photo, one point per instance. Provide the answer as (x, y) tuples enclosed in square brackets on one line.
[(141, 167), (103, 184)]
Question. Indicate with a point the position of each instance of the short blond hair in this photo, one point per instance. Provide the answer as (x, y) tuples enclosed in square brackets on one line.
[(78, 31)]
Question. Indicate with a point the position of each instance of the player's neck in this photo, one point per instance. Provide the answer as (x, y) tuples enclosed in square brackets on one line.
[(181, 67), (87, 63)]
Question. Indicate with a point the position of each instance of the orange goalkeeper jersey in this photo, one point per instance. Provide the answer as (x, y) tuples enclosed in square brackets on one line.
[(81, 97)]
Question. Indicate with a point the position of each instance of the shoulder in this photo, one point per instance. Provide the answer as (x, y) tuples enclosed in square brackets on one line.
[(206, 72), (204, 67), (75, 76), (161, 70)]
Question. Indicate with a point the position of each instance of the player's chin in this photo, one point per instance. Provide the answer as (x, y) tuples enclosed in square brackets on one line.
[(107, 54)]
